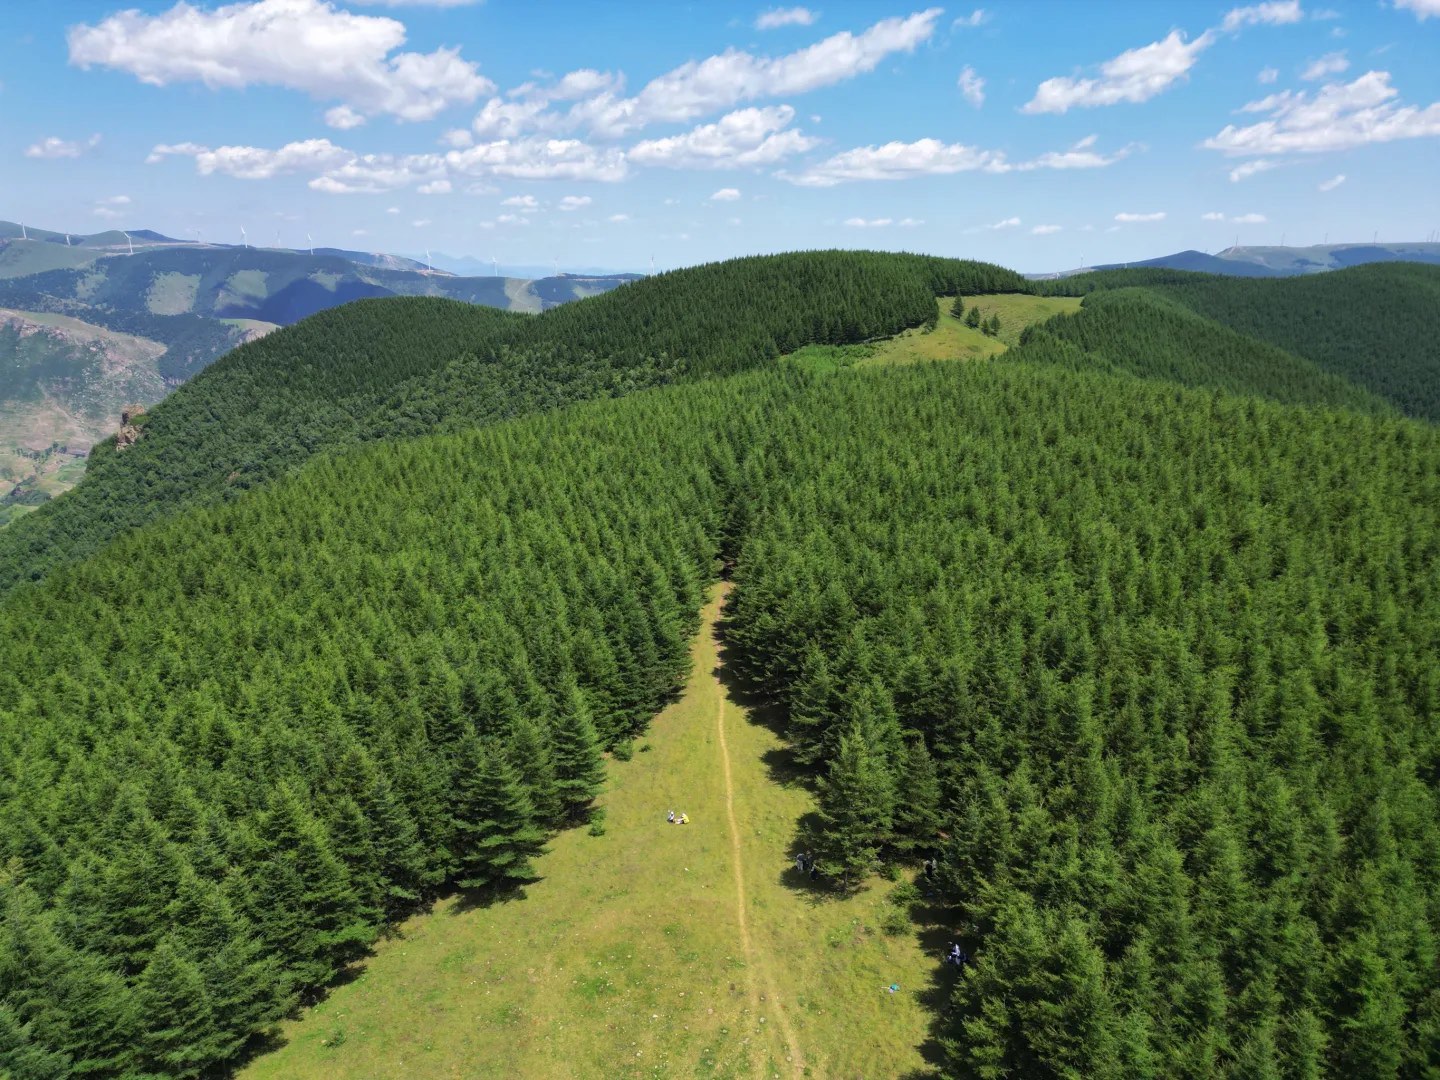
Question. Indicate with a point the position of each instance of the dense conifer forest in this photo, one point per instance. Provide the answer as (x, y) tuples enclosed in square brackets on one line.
[(1148, 669), (1147, 333), (407, 366)]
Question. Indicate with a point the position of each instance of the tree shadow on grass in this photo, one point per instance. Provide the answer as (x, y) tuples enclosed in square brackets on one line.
[(468, 900), (936, 929)]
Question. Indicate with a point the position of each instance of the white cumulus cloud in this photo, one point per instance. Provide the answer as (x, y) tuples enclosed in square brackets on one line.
[(726, 194), (54, 147), (718, 82), (1045, 230), (618, 219), (524, 202), (778, 17), (538, 158), (744, 138), (1267, 75), (1006, 223), (575, 202), (972, 86), (871, 223), (1132, 219), (1212, 216), (1334, 182), (1339, 116), (305, 45), (1135, 75)]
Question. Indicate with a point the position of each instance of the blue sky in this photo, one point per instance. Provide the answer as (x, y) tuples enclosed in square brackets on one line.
[(1035, 134)]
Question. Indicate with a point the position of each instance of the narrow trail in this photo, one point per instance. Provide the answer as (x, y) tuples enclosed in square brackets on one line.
[(737, 864)]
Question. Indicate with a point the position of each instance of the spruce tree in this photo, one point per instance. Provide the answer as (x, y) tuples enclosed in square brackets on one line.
[(972, 318), (579, 768), (179, 1030), (917, 801), (495, 835), (957, 308), (856, 810), (529, 751)]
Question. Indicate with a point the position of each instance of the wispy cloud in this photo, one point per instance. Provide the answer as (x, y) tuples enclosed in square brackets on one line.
[(1133, 219), (1045, 230), (931, 157), (1135, 75), (1423, 9), (972, 86), (55, 147), (778, 17), (1329, 64), (1250, 168), (1334, 182), (1273, 13)]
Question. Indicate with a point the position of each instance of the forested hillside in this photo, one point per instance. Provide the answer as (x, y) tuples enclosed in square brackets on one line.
[(1145, 332), (1377, 326), (238, 743), (413, 366), (1159, 663)]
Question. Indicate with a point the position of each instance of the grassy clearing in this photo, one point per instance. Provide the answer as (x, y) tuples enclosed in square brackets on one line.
[(628, 959), (1017, 311), (950, 340)]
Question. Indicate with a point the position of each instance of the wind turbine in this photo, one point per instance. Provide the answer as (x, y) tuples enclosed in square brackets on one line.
[(496, 264), (67, 239), (652, 265), (23, 234), (243, 244), (277, 239), (311, 241), (557, 266), (129, 242)]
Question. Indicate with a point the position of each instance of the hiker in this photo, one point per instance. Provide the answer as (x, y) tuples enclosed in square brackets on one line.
[(684, 819), (670, 817), (800, 863), (929, 865)]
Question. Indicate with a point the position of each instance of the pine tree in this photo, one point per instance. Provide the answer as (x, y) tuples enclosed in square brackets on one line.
[(495, 835), (579, 768), (972, 318), (856, 811), (957, 308)]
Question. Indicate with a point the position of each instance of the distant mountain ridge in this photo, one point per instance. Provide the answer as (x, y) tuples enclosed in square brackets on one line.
[(1275, 261), (81, 309)]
